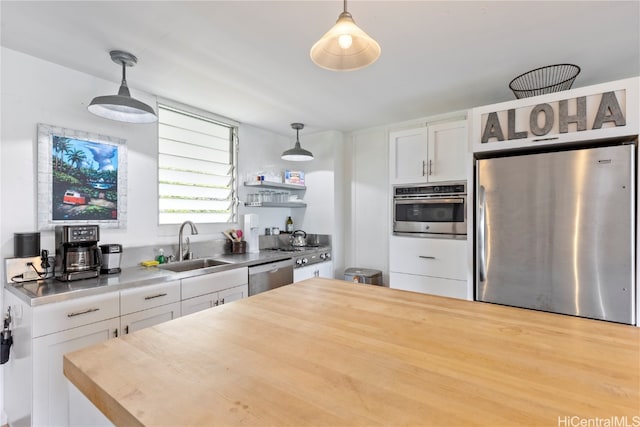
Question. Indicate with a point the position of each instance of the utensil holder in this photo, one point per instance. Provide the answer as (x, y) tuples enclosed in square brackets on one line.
[(235, 247)]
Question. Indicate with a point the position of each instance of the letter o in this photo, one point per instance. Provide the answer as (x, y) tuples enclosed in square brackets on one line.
[(548, 119)]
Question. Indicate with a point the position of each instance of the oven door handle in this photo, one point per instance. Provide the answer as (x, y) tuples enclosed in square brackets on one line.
[(429, 201), (482, 238)]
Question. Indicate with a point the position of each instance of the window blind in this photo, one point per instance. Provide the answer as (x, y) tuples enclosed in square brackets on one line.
[(196, 168)]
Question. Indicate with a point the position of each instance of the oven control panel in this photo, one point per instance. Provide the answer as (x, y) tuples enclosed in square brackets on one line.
[(430, 189)]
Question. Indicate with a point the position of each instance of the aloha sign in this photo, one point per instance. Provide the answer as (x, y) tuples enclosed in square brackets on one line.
[(568, 115)]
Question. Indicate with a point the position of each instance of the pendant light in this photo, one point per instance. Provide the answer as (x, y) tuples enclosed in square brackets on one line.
[(345, 47), (297, 153), (122, 107)]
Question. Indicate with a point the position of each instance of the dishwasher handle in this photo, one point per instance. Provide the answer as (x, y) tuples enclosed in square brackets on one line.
[(271, 267)]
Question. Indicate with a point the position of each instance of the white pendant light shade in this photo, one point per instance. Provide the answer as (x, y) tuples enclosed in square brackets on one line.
[(297, 153), (122, 107), (345, 47)]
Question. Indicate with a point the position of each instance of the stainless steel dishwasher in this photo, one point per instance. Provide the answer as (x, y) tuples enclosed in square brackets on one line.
[(269, 276)]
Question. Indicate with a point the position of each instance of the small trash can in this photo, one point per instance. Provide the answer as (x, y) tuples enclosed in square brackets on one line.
[(367, 276)]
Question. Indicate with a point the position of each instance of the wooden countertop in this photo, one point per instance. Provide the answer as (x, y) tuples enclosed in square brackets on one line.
[(331, 353)]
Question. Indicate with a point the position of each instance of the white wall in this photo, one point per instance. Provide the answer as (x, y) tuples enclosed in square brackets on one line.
[(325, 182), (260, 150), (35, 91), (369, 202)]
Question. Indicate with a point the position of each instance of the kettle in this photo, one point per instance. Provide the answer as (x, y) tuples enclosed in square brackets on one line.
[(298, 238)]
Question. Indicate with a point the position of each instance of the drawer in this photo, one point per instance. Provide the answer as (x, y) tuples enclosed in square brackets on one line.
[(214, 282), (146, 297), (446, 258), (65, 315), (429, 285)]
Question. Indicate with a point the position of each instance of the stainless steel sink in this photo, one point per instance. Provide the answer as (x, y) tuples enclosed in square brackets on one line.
[(193, 264)]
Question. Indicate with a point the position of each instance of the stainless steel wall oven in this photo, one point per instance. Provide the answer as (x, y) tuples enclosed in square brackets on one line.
[(430, 210)]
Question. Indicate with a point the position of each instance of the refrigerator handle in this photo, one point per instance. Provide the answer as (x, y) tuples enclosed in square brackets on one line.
[(482, 249)]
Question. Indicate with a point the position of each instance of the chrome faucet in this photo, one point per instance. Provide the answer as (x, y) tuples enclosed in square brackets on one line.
[(181, 253)]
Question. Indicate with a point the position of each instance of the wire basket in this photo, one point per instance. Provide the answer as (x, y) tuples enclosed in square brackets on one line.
[(549, 79)]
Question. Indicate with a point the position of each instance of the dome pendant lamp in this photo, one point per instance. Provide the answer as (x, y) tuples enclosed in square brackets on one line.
[(297, 153), (122, 107), (345, 47)]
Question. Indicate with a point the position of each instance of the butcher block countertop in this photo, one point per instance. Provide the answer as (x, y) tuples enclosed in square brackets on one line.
[(331, 353)]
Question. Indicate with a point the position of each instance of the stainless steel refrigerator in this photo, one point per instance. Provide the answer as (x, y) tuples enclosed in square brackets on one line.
[(556, 232)]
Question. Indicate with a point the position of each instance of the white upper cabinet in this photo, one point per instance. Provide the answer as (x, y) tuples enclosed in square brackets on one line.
[(408, 156), (447, 151), (429, 154)]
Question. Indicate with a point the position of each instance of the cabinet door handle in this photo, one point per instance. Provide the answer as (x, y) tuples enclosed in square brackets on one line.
[(126, 329), (78, 313), (115, 332), (430, 167), (426, 257), (423, 166), (155, 296), (222, 301)]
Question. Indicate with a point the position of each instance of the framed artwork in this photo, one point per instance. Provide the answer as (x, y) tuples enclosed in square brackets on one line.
[(82, 178)]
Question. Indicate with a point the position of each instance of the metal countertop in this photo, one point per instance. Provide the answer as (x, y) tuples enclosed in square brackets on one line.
[(49, 291)]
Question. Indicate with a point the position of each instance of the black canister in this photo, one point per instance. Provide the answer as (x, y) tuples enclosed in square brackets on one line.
[(26, 245)]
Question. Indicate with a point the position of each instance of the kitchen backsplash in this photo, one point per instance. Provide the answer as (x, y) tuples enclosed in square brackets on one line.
[(132, 256)]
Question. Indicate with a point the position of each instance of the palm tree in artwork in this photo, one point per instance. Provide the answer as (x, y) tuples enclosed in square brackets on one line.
[(61, 145), (76, 157)]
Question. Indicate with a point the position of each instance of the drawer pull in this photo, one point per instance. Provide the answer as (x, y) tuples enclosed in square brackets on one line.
[(426, 257), (155, 296), (78, 313)]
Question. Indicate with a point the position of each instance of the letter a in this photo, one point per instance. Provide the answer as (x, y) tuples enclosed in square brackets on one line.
[(492, 129), (609, 111)]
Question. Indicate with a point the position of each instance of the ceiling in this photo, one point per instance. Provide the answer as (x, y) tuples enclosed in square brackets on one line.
[(249, 60)]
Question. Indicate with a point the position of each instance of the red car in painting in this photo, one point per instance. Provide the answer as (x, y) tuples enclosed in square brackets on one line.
[(74, 198)]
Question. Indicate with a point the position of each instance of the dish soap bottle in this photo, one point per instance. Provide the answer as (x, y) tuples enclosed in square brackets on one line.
[(160, 258), (289, 225)]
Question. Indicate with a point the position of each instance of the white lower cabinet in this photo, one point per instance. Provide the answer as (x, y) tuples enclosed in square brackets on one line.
[(322, 269), (148, 306), (50, 392), (325, 269), (429, 285), (213, 299), (143, 319), (431, 266), (233, 294), (195, 304), (36, 390), (210, 290)]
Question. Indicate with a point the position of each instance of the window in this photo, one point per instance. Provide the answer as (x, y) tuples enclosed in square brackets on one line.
[(196, 167)]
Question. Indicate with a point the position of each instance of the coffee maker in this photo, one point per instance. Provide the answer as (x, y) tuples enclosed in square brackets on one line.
[(77, 253)]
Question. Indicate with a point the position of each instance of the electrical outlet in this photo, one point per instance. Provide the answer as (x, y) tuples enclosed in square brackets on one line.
[(17, 266)]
